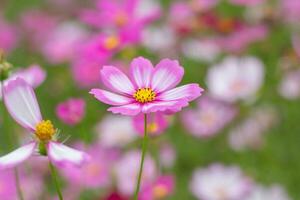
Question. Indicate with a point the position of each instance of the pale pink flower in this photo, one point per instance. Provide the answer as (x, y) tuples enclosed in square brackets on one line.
[(167, 155), (151, 89), (235, 78), (160, 189), (7, 185), (289, 86), (273, 192), (116, 131), (21, 103), (127, 168), (71, 111), (62, 42), (33, 75), (208, 118), (218, 182), (247, 2), (8, 36), (290, 10), (156, 125)]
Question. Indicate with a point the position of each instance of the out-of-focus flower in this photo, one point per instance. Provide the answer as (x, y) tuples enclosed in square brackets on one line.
[(290, 85), (21, 103), (240, 39), (205, 50), (160, 189), (290, 10), (32, 186), (95, 173), (126, 171), (62, 42), (167, 155), (33, 75), (218, 182), (8, 36), (235, 78), (249, 134), (247, 2), (151, 89), (71, 111), (274, 192), (116, 131), (121, 14), (208, 118), (7, 185), (156, 123)]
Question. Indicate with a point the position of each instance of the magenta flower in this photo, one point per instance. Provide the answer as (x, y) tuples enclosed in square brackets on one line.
[(22, 104), (8, 35), (71, 111), (149, 90)]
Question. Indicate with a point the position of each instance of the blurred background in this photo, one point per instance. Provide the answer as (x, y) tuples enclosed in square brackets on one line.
[(238, 141)]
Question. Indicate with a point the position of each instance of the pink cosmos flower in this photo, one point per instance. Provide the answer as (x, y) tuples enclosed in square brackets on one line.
[(157, 124), (218, 182), (8, 36), (160, 189), (208, 118), (151, 89), (33, 75), (126, 171), (235, 78), (71, 111), (21, 103), (7, 185)]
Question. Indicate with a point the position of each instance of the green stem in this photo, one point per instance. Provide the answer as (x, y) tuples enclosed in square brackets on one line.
[(20, 194), (144, 150), (54, 175)]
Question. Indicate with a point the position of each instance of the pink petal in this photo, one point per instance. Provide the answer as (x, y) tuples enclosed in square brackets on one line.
[(141, 71), (167, 74), (33, 75), (16, 157), (189, 92), (110, 98), (21, 103), (116, 80), (172, 106), (62, 155), (130, 109)]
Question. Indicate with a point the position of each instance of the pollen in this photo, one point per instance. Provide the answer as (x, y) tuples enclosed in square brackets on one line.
[(152, 127), (144, 95), (44, 130), (111, 42)]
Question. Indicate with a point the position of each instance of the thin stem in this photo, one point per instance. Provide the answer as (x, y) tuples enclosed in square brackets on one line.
[(54, 175), (20, 194), (144, 150)]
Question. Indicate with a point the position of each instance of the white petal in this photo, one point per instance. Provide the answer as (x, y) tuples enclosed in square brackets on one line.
[(62, 155), (21, 103), (17, 156)]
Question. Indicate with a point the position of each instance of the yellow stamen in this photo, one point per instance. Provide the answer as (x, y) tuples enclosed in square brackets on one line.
[(44, 131), (144, 95), (111, 42), (152, 127), (160, 192)]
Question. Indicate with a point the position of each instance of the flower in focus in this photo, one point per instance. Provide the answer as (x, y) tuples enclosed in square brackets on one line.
[(116, 131), (157, 124), (218, 182), (7, 185), (235, 78), (126, 170), (21, 103), (71, 111), (208, 118), (151, 89)]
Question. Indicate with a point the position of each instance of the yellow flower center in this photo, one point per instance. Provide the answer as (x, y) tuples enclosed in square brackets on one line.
[(144, 95), (160, 192), (111, 42), (152, 127), (44, 130)]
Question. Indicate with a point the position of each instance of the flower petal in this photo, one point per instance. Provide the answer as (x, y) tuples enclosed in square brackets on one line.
[(110, 98), (16, 157), (21, 103), (116, 80), (129, 109), (189, 92), (164, 106), (62, 155), (34, 75), (167, 74), (141, 71)]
